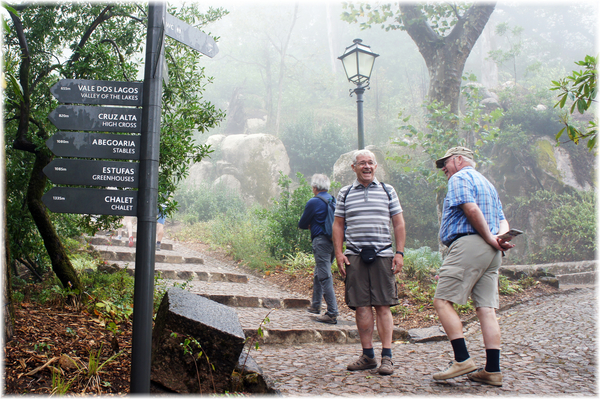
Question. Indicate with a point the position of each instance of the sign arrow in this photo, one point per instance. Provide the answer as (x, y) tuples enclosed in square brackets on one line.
[(104, 119), (93, 173), (190, 36), (91, 201), (101, 92), (95, 145)]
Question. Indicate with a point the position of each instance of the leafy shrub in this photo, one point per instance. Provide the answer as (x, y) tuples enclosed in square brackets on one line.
[(206, 203), (421, 264), (568, 221), (300, 263), (283, 235)]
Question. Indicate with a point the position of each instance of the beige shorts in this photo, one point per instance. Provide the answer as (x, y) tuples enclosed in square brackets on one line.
[(470, 268), (370, 285)]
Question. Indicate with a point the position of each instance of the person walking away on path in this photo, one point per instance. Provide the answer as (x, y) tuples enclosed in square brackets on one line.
[(369, 264), (126, 223), (314, 218), (160, 227), (472, 219)]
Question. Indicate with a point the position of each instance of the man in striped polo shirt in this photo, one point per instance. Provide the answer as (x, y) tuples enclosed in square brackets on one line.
[(369, 264), (472, 220)]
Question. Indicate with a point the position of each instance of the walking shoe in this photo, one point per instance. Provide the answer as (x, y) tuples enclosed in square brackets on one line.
[(455, 369), (327, 319), (310, 309), (130, 241), (487, 378), (364, 362), (387, 367)]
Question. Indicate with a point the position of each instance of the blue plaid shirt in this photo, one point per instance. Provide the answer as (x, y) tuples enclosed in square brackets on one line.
[(469, 186)]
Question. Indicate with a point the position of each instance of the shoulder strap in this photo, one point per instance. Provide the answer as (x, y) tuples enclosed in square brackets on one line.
[(386, 190)]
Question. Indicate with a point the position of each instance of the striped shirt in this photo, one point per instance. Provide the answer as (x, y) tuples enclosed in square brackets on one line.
[(469, 186), (367, 213)]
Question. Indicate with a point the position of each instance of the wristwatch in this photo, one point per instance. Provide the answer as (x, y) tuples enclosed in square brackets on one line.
[(401, 253)]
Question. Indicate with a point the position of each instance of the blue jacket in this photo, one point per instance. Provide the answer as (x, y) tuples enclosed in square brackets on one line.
[(314, 215)]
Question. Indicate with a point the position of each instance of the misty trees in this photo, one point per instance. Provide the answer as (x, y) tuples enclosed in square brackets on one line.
[(444, 33), (47, 42)]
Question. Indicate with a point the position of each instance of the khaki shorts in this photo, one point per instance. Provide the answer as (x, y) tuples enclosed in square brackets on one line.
[(470, 268), (370, 285)]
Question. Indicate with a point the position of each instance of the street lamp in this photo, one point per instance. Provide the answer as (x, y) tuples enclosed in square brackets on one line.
[(358, 60)]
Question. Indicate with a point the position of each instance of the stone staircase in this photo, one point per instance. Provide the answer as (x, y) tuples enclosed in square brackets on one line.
[(281, 314), (563, 274)]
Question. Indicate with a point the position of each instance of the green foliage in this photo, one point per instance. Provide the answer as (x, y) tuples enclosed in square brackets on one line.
[(283, 235), (441, 17), (421, 264), (443, 130), (204, 203), (300, 263), (580, 88), (468, 307), (314, 147), (569, 221)]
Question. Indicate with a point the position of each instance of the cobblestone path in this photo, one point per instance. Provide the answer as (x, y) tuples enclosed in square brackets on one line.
[(548, 348)]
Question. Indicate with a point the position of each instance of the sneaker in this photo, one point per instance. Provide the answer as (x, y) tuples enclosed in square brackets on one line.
[(387, 367), (487, 378), (327, 319), (363, 363), (130, 242), (455, 369), (312, 310), (119, 237)]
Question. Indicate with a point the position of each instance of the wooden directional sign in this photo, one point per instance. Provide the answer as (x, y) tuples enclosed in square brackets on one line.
[(190, 36), (101, 92), (95, 145), (91, 201), (104, 119), (93, 173)]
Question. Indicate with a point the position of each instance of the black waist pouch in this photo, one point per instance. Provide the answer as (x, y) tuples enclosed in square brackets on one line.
[(368, 254)]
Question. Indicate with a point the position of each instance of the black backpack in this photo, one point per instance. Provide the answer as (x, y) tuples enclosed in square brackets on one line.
[(328, 225)]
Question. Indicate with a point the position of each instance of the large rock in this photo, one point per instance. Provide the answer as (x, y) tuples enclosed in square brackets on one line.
[(342, 169), (214, 327), (249, 163)]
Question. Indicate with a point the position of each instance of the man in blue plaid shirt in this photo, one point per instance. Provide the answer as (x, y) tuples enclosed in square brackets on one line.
[(472, 219)]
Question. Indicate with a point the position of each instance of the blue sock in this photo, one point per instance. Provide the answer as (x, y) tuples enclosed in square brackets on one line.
[(386, 352), (369, 352)]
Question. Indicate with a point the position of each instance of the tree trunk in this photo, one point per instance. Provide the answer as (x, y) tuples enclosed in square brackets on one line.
[(61, 264), (445, 57), (9, 309), (283, 53)]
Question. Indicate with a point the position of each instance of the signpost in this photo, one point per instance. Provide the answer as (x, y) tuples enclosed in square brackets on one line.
[(145, 148), (93, 173), (95, 145), (99, 92), (104, 119), (190, 36), (91, 201)]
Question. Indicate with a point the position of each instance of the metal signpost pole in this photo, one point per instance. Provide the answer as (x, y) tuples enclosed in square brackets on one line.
[(141, 355)]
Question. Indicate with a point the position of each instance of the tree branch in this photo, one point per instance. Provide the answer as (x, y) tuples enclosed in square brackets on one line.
[(104, 16), (121, 59)]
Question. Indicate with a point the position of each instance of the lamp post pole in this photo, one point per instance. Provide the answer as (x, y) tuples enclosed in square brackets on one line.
[(359, 115)]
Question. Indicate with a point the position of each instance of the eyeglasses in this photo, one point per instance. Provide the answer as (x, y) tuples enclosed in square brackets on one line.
[(363, 163), (446, 161)]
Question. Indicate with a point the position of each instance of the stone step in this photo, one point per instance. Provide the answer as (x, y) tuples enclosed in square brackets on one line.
[(296, 326), (123, 242), (552, 268), (121, 254), (584, 278)]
